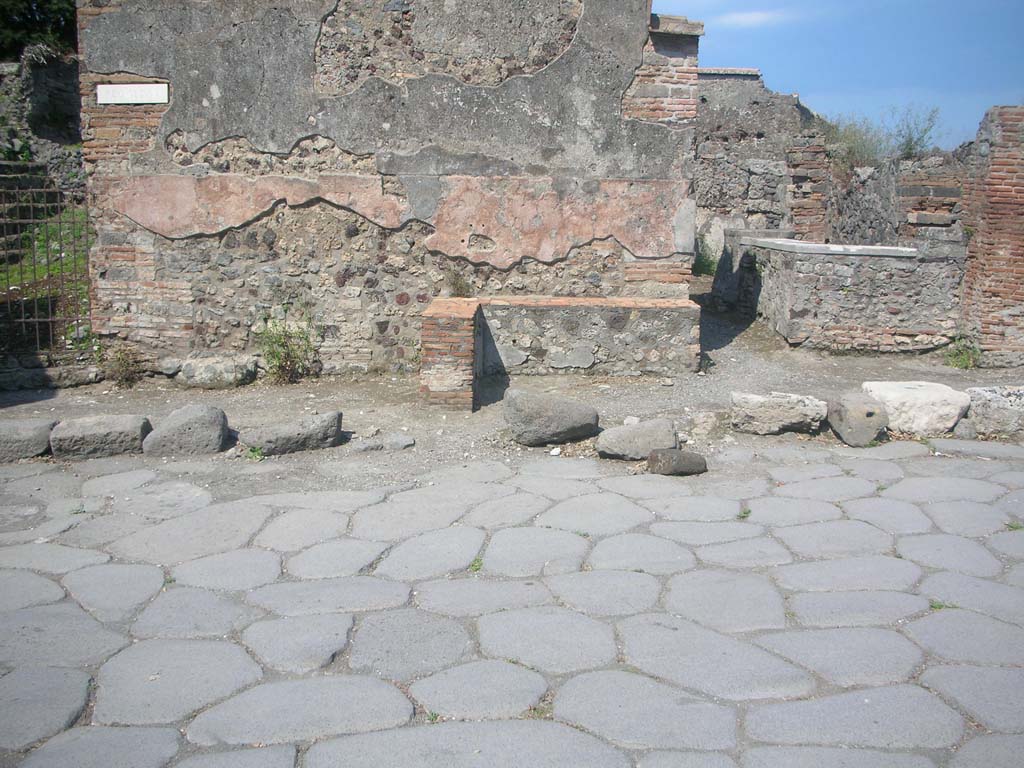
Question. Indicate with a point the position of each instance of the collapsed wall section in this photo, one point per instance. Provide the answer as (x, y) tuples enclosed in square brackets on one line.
[(292, 172)]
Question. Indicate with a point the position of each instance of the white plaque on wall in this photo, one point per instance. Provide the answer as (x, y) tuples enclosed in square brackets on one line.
[(132, 93)]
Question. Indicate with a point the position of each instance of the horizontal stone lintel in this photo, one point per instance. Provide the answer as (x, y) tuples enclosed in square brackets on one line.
[(734, 72), (467, 307), (827, 249), (676, 25)]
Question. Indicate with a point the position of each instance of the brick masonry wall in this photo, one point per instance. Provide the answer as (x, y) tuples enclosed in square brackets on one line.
[(664, 89), (810, 182), (993, 310), (864, 303)]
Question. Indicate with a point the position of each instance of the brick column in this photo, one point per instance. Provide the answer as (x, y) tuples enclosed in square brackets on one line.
[(993, 308), (448, 350), (664, 88), (808, 170)]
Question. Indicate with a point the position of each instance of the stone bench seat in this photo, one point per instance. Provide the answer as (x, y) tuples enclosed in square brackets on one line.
[(466, 340)]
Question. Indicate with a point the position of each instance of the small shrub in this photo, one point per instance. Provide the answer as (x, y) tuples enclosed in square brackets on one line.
[(122, 366), (963, 354), (289, 351), (253, 453), (857, 142), (704, 262), (913, 131), (458, 286)]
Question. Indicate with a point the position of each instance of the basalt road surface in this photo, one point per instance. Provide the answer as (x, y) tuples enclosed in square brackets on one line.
[(799, 606)]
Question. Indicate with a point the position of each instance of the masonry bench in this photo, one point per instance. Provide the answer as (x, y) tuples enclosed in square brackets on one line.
[(465, 341)]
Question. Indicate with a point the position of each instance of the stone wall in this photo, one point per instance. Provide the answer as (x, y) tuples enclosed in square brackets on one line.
[(993, 310), (853, 298), (355, 163)]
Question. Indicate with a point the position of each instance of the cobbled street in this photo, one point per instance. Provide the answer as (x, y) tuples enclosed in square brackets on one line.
[(800, 605)]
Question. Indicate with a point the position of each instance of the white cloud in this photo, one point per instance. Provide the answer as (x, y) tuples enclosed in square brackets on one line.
[(751, 19)]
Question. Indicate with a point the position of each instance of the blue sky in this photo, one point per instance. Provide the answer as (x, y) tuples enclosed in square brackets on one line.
[(865, 57)]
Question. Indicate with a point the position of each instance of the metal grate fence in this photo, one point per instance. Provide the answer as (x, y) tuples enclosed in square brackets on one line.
[(44, 263)]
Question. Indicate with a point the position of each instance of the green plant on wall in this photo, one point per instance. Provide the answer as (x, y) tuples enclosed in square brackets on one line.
[(963, 354), (289, 349), (25, 23), (704, 262)]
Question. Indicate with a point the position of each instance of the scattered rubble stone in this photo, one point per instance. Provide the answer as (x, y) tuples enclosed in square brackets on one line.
[(634, 442), (919, 408), (996, 411), (96, 436), (544, 419), (217, 372), (857, 420), (194, 430), (24, 438), (668, 461), (777, 413), (312, 433)]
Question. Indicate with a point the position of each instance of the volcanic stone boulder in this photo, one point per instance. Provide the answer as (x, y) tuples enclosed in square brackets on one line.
[(919, 408), (24, 438), (217, 372), (634, 442), (97, 436), (997, 410), (194, 430), (857, 420), (677, 463), (312, 433), (777, 413), (546, 419)]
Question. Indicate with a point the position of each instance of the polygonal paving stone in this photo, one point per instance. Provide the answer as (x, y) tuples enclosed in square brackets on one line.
[(210, 531), (341, 557), (997, 600), (784, 511), (1011, 479), (725, 601), (432, 554), (993, 696), (230, 571), (805, 472), (965, 636), (1010, 543), (551, 639), (829, 489), (343, 595), (533, 551), (696, 509), (49, 558), (641, 552), (46, 487), (553, 488), (738, 488), (302, 710), (161, 681), (645, 486), (408, 643), (481, 690), (163, 502), (700, 534), (944, 466), (61, 635), (21, 589), (600, 514), (686, 760), (899, 717), (563, 469), (475, 596), (301, 528), (638, 713), (496, 744), (748, 553), (424, 509), (993, 751), (873, 469), (986, 449), (299, 644), (697, 658), (1012, 504), (952, 553), (122, 482), (606, 593), (889, 515), (1015, 576), (967, 518), (927, 490), (470, 472), (186, 612), (511, 510), (832, 757), (327, 501), (98, 746), (850, 574), (103, 529), (848, 657), (114, 592), (267, 757), (887, 451), (854, 609), (36, 703), (841, 538)]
